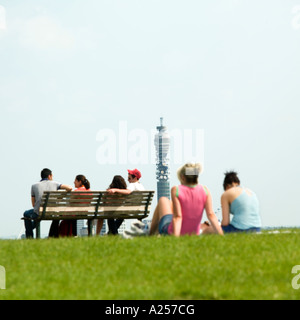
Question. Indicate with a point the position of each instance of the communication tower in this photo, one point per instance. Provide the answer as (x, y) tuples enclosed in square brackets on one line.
[(162, 146)]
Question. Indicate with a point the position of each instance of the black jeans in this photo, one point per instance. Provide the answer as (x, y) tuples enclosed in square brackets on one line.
[(114, 225)]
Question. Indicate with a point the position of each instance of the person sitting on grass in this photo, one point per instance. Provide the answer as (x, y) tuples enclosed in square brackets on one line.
[(183, 215), (242, 203)]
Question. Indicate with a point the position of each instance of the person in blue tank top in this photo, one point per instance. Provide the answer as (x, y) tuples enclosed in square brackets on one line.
[(242, 203)]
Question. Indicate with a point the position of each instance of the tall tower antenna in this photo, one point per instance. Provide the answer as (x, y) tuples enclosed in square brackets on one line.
[(162, 146)]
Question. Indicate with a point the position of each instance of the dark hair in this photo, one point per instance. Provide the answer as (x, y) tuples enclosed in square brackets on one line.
[(230, 178), (118, 183), (85, 182), (46, 173)]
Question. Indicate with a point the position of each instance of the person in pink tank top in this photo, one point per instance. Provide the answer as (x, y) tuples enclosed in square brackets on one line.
[(183, 214)]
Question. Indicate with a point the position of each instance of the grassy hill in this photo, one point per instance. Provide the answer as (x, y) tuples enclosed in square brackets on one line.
[(241, 266)]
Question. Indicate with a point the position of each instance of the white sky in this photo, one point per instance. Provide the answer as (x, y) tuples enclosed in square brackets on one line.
[(231, 68)]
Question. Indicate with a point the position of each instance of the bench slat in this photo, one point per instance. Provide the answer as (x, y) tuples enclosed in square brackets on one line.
[(92, 209), (127, 204), (92, 217), (95, 199)]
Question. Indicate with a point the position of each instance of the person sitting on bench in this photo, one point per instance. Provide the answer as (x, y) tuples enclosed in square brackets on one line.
[(37, 190), (68, 228), (118, 185)]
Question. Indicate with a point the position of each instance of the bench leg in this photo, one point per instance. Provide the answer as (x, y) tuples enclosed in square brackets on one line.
[(38, 230)]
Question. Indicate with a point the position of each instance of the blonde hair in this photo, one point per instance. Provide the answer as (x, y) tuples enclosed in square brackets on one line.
[(190, 171)]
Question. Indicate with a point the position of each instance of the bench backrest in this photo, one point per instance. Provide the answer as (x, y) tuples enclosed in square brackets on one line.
[(95, 204)]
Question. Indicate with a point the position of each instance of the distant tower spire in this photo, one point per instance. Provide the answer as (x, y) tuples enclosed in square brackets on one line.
[(162, 145)]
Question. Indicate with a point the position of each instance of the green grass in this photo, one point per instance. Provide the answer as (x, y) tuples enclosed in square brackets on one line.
[(242, 266)]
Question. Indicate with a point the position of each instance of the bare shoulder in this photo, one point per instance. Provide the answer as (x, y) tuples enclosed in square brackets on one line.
[(174, 190), (206, 189), (226, 194), (231, 194)]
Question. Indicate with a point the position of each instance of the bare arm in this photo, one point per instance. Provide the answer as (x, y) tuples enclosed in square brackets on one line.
[(211, 215), (225, 210), (33, 201), (120, 191), (177, 216), (66, 187)]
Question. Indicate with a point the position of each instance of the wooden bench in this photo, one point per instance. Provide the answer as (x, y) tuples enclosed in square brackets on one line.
[(90, 205)]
